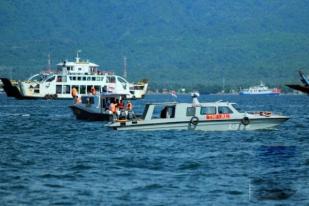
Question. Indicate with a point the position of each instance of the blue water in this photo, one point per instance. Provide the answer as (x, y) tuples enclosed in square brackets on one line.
[(47, 157)]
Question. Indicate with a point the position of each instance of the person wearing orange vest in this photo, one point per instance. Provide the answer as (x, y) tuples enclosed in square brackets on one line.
[(120, 105), (129, 106)]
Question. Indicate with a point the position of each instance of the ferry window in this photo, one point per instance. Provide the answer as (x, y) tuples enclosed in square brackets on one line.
[(224, 110), (58, 89), (74, 78), (88, 78), (97, 88), (208, 110), (98, 78), (93, 78), (79, 69), (66, 89), (111, 79), (68, 68), (51, 79), (89, 88), (84, 78), (190, 111), (71, 78), (79, 78), (59, 79), (82, 89), (121, 80)]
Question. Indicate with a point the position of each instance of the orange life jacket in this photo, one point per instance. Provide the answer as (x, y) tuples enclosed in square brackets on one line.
[(129, 106), (112, 108)]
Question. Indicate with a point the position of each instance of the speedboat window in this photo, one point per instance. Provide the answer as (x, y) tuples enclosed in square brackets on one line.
[(208, 110), (224, 110), (190, 111), (236, 107), (167, 112)]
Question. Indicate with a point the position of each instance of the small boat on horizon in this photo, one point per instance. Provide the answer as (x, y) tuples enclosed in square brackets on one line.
[(209, 116), (260, 90)]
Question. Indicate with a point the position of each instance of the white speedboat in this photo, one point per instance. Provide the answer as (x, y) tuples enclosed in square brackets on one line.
[(209, 116), (260, 90), (83, 75)]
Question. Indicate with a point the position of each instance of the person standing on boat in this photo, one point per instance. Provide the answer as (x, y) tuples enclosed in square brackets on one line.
[(112, 109), (129, 106), (129, 110), (195, 102)]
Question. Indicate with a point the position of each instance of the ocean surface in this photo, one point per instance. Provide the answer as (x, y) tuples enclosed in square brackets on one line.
[(47, 157)]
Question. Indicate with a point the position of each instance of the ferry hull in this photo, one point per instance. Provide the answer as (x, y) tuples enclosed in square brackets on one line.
[(218, 125)]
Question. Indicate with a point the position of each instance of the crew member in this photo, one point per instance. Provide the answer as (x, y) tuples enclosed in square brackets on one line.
[(129, 106), (112, 107), (120, 105)]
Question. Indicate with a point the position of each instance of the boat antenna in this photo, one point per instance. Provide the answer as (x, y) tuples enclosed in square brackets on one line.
[(49, 62), (125, 67), (77, 57)]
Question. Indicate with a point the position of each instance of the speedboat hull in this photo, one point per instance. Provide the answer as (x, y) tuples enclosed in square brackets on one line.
[(82, 113), (205, 125)]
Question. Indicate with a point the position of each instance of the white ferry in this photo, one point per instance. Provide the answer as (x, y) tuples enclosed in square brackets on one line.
[(83, 75), (209, 116), (260, 90)]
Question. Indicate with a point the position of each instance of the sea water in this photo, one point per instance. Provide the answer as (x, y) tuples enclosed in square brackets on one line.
[(47, 157)]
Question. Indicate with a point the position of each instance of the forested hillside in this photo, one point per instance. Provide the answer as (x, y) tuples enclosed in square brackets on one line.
[(173, 43)]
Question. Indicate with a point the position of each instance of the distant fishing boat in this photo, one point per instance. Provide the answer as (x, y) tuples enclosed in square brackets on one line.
[(78, 74), (260, 90)]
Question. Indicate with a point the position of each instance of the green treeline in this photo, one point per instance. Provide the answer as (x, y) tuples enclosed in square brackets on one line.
[(173, 43)]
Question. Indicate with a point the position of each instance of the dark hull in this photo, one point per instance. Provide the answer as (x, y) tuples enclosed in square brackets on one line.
[(304, 89), (11, 90), (90, 116)]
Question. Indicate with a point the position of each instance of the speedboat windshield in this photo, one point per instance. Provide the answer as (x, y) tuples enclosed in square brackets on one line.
[(236, 106)]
